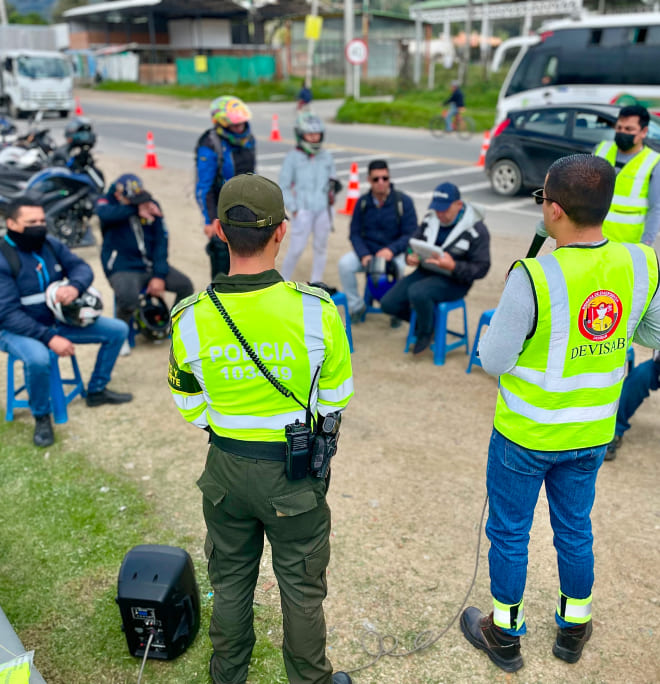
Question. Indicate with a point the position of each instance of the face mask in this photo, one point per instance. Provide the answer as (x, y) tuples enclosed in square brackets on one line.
[(31, 239), (624, 141)]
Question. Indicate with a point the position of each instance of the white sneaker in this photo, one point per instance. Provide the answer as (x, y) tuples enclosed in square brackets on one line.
[(125, 349)]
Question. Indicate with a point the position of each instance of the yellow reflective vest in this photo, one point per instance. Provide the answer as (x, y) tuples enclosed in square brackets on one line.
[(294, 330), (564, 390), (630, 204)]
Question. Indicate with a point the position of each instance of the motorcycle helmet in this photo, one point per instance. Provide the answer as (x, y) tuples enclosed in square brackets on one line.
[(306, 122), (20, 157), (229, 110), (8, 133), (79, 132), (81, 312), (381, 277), (153, 317)]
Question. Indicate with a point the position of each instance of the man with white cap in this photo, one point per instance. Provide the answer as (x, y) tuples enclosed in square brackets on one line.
[(461, 255)]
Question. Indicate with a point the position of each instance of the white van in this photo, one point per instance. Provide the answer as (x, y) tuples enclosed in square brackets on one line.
[(33, 80)]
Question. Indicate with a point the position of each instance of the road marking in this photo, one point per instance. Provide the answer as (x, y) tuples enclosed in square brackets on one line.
[(164, 150), (437, 174)]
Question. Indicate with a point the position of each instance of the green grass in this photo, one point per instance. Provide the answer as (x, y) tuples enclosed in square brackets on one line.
[(62, 541)]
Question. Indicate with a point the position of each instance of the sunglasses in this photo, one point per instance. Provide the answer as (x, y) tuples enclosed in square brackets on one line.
[(539, 197), (375, 179)]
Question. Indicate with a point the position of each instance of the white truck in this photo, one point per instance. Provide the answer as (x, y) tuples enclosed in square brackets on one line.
[(34, 80)]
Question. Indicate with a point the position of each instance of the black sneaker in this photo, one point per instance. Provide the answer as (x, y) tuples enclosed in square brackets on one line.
[(571, 640), (610, 453), (395, 322), (422, 343), (341, 678), (43, 431), (356, 316), (502, 648), (107, 396)]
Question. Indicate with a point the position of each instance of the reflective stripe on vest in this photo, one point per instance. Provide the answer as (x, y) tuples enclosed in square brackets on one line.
[(626, 217), (563, 392), (39, 298), (574, 610), (238, 400), (508, 616)]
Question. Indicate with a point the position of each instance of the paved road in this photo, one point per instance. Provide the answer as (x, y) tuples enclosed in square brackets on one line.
[(418, 162)]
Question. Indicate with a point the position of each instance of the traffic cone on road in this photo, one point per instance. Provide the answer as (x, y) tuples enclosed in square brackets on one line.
[(353, 193), (150, 161), (275, 130), (79, 109), (484, 148)]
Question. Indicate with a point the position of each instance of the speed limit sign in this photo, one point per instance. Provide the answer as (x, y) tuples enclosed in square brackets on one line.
[(357, 51)]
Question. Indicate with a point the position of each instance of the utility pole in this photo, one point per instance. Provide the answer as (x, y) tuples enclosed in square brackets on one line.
[(3, 13), (348, 37), (311, 44), (465, 63)]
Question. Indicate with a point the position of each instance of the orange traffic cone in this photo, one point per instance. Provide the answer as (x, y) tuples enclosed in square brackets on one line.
[(353, 193), (79, 109), (150, 161), (484, 148), (275, 130)]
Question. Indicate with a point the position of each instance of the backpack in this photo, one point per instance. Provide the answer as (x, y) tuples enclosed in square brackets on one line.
[(14, 261), (398, 199)]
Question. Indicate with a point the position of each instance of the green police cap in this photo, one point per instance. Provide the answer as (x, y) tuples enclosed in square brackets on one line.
[(256, 193)]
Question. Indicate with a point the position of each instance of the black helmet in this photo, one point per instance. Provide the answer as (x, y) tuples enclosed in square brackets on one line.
[(153, 317), (79, 132), (81, 312)]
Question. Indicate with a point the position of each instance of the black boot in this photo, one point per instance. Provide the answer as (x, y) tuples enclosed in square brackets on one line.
[(502, 648), (571, 640), (107, 396), (341, 678), (43, 431)]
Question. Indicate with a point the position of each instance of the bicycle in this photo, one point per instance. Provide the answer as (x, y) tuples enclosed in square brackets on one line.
[(464, 126)]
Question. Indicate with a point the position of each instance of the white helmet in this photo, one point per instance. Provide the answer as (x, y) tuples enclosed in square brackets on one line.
[(20, 157), (81, 312), (306, 122)]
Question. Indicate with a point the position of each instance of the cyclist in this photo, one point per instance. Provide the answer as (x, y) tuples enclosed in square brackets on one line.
[(456, 102)]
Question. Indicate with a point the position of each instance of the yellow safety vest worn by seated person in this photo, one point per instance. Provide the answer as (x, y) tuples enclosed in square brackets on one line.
[(293, 328), (564, 390), (630, 204)]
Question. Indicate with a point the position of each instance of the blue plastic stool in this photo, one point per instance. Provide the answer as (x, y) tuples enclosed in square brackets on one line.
[(339, 298), (59, 399), (474, 356), (441, 331)]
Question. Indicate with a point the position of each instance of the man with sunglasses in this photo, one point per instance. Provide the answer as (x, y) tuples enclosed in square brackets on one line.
[(383, 221), (558, 342)]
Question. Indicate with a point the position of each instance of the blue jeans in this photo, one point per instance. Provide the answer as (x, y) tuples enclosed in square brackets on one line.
[(641, 381), (110, 332), (514, 478), (451, 113)]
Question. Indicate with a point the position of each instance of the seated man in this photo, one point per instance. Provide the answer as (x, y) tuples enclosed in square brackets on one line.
[(458, 229), (383, 221), (134, 250), (638, 385), (29, 262)]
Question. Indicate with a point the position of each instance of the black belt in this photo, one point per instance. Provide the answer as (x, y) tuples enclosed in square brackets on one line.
[(262, 451)]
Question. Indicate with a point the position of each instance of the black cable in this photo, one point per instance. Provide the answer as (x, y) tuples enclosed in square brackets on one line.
[(423, 639)]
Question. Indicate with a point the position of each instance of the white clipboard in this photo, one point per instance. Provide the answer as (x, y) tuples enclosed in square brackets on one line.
[(424, 249)]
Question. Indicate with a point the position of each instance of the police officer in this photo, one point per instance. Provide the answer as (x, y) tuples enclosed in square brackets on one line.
[(292, 333), (635, 212), (222, 152), (558, 341)]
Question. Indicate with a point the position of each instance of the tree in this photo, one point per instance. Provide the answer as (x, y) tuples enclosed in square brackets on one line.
[(14, 17)]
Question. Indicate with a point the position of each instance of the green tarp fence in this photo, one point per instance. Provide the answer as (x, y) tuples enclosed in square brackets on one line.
[(226, 69)]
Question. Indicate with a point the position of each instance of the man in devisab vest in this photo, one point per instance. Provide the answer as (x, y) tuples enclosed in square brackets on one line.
[(634, 214), (558, 341), (225, 369)]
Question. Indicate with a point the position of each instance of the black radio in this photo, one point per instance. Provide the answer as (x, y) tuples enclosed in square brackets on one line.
[(158, 597)]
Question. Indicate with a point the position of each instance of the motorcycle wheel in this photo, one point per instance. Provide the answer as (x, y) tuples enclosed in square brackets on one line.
[(68, 228)]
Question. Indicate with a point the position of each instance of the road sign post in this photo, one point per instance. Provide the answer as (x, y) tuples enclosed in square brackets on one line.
[(357, 53)]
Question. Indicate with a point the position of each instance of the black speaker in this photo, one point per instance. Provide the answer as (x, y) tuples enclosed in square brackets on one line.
[(157, 594)]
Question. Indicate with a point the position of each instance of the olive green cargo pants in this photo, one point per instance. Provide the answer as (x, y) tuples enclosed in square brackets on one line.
[(243, 498)]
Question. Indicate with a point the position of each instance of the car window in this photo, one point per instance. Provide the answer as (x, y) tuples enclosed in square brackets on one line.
[(592, 128), (547, 121), (654, 128)]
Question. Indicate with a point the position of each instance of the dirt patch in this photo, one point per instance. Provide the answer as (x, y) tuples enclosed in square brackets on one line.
[(407, 490)]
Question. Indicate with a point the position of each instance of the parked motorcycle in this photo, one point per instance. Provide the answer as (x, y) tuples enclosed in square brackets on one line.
[(67, 192)]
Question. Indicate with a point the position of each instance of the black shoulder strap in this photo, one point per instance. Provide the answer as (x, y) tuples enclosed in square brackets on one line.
[(216, 143), (10, 253)]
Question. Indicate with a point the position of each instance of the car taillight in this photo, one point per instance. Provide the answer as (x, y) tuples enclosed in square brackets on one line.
[(501, 127)]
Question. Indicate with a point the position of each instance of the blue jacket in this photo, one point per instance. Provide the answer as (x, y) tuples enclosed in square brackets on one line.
[(129, 242), (31, 317), (214, 169), (374, 228)]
